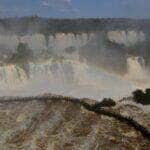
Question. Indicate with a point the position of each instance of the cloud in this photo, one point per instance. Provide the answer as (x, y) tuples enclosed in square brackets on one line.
[(56, 3), (59, 5), (45, 4)]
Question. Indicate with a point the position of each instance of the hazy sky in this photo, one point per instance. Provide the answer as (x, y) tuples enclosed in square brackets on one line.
[(76, 8)]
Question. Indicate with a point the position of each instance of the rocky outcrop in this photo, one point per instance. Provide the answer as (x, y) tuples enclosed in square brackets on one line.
[(63, 124)]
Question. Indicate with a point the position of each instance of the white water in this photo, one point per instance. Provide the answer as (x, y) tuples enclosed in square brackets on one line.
[(11, 76), (38, 43), (127, 38), (70, 78), (136, 72)]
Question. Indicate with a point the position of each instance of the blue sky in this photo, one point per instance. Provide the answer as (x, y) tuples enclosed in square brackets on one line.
[(76, 8)]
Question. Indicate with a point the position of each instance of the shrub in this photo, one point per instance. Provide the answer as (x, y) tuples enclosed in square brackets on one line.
[(106, 102), (23, 54), (147, 91), (142, 97)]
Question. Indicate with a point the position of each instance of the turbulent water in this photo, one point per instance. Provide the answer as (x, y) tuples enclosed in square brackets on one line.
[(71, 78)]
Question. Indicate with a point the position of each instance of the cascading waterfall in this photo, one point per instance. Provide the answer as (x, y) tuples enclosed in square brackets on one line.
[(136, 68), (64, 73), (137, 73), (47, 74), (70, 77), (63, 77), (11, 76)]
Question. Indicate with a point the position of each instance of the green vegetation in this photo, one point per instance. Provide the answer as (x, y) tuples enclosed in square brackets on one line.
[(23, 54), (106, 102), (51, 26), (142, 97)]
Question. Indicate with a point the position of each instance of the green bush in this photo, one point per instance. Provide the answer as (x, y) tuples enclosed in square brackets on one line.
[(106, 102), (142, 97), (23, 54)]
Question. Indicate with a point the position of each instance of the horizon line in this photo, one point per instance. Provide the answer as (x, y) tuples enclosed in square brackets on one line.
[(69, 18)]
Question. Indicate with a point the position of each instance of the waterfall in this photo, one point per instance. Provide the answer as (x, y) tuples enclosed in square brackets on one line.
[(64, 73), (136, 68), (61, 77), (11, 76), (56, 73), (69, 77), (126, 38)]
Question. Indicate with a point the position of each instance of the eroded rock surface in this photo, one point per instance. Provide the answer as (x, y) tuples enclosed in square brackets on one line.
[(59, 125)]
